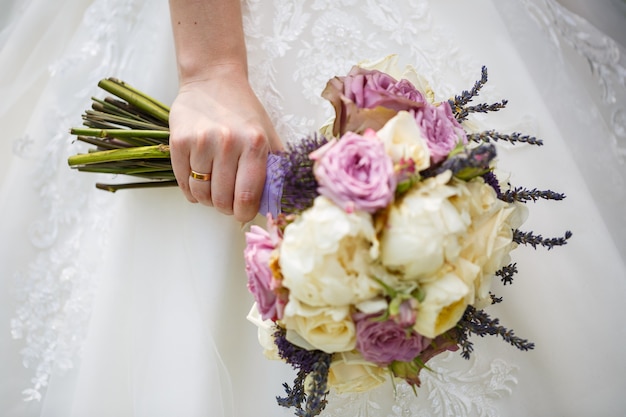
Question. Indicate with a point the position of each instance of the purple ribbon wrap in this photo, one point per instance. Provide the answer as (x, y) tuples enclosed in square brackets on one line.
[(273, 188)]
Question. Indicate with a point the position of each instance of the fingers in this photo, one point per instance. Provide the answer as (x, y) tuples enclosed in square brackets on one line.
[(201, 176), (238, 175), (179, 155), (235, 162), (251, 177), (224, 174)]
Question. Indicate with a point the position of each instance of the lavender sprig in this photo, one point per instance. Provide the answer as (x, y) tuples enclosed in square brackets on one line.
[(466, 164), (506, 273), (529, 238), (460, 102), (314, 364), (300, 185), (491, 179), (513, 138), (495, 299), (478, 322), (523, 195), (318, 388), (480, 108), (296, 395), (465, 97)]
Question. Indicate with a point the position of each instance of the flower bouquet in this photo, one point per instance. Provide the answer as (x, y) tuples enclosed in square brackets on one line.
[(384, 231), (395, 227)]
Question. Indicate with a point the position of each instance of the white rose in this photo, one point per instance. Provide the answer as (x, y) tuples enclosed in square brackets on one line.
[(325, 256), (423, 230), (443, 306), (266, 329), (403, 139), (327, 329), (349, 372)]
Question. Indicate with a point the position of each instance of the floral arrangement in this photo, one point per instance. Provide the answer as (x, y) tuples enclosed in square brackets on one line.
[(385, 229), (393, 226)]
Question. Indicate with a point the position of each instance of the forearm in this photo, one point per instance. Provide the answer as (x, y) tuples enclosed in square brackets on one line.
[(208, 36)]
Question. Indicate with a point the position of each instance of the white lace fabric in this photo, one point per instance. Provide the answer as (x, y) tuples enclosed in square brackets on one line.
[(90, 308), (452, 387)]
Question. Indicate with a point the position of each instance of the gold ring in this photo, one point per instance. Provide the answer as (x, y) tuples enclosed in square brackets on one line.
[(199, 176)]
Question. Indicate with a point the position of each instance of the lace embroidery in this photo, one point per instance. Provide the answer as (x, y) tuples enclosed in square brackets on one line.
[(605, 59), (455, 387)]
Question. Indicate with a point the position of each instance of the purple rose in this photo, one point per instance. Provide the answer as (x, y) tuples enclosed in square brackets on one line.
[(368, 99), (441, 130), (410, 370), (355, 172), (260, 279), (371, 88), (383, 342)]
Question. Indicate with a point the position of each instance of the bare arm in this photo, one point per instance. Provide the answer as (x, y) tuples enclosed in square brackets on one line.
[(217, 123)]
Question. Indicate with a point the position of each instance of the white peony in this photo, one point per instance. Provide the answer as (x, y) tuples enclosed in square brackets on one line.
[(489, 238), (403, 139), (325, 256), (423, 230)]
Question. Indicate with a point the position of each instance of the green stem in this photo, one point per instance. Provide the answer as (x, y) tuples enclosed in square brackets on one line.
[(136, 98), (100, 143), (111, 108), (142, 152), (133, 123), (120, 133), (116, 106), (133, 185), (137, 171)]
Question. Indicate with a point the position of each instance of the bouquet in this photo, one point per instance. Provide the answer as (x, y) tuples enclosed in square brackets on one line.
[(385, 229)]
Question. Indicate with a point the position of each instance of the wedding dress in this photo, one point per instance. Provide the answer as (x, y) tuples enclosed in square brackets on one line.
[(134, 303)]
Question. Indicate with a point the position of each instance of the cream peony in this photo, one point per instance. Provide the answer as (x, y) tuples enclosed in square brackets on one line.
[(326, 254), (328, 329), (403, 139), (423, 230), (445, 302), (349, 372), (489, 238)]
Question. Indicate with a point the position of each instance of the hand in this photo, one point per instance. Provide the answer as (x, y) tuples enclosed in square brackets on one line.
[(219, 127)]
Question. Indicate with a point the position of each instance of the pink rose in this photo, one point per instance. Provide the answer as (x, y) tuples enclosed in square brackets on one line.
[(355, 172), (383, 342), (261, 282), (368, 99), (440, 129)]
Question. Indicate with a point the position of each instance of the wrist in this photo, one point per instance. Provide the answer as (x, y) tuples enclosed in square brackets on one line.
[(194, 71)]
